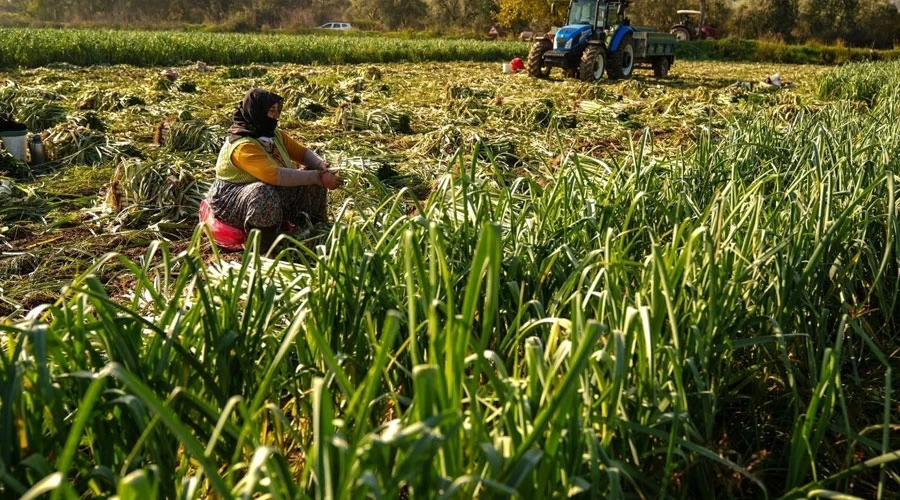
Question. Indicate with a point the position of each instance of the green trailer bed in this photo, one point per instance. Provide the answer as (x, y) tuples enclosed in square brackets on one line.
[(655, 49)]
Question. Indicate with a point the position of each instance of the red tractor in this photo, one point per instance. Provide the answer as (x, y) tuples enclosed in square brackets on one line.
[(688, 29)]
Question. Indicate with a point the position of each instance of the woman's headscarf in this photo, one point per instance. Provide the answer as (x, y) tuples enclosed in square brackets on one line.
[(251, 118)]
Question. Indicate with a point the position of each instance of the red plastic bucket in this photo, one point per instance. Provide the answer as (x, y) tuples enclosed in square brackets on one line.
[(225, 236)]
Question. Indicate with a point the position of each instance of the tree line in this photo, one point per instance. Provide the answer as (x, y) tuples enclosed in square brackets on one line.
[(870, 23)]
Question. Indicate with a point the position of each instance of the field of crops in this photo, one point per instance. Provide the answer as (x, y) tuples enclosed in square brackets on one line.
[(32, 48), (676, 288)]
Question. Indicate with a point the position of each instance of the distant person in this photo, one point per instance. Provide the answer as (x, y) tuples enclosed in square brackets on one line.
[(257, 184)]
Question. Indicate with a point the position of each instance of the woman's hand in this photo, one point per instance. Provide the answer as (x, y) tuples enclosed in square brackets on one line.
[(330, 180)]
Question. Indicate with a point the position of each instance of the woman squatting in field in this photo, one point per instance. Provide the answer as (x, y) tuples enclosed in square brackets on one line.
[(257, 184)]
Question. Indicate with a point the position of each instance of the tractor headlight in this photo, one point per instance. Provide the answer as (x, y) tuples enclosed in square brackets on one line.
[(569, 43)]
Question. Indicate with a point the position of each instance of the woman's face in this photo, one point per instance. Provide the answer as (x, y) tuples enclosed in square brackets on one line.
[(275, 111)]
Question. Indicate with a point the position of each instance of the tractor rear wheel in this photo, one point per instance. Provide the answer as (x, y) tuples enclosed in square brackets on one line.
[(682, 34), (621, 62), (536, 67), (661, 66), (593, 62)]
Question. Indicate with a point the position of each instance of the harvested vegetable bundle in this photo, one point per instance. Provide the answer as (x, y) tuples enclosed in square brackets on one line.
[(354, 85), (300, 107), (40, 114), (371, 73), (89, 119), (181, 85), (469, 111), (164, 190), (36, 108), (564, 120), (84, 146), (459, 91), (291, 79), (189, 135), (20, 203), (306, 109), (501, 148), (536, 112), (442, 142), (385, 121), (107, 100), (604, 111), (12, 166), (244, 71), (325, 94)]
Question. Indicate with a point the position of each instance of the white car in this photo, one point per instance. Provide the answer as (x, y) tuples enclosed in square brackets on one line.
[(336, 26)]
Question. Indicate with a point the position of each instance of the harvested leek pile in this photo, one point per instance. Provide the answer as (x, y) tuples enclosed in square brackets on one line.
[(180, 85), (165, 191), (40, 114), (322, 93), (467, 111), (13, 167), (607, 112), (381, 120), (443, 142), (252, 71), (111, 100), (354, 85), (80, 145), (500, 149), (298, 106), (460, 91), (372, 73), (38, 109), (189, 135), (533, 112), (20, 203), (306, 109), (89, 119)]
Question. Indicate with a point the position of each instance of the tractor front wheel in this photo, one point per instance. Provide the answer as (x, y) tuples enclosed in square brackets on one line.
[(593, 62), (536, 67), (621, 62)]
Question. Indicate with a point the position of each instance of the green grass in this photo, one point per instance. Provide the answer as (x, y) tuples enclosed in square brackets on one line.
[(734, 49), (40, 47), (35, 47)]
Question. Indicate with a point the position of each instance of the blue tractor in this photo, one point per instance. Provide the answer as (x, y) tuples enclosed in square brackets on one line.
[(597, 38)]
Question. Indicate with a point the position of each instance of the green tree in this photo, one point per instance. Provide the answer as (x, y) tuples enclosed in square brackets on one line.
[(877, 24), (659, 14), (475, 14), (827, 20), (766, 18), (392, 14), (535, 13)]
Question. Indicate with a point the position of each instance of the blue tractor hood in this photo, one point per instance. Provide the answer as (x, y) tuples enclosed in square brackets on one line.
[(572, 36)]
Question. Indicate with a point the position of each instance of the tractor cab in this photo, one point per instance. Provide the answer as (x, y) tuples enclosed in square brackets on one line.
[(586, 21)]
